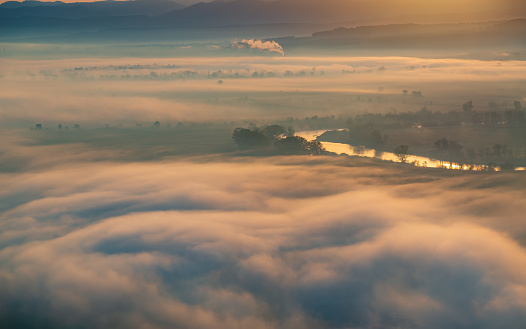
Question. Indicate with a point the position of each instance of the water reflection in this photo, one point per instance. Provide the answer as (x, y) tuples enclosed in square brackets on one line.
[(362, 151)]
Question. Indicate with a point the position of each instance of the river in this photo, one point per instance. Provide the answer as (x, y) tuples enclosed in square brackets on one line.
[(362, 151)]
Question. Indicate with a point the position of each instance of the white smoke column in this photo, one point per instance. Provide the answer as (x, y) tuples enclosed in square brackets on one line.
[(270, 46)]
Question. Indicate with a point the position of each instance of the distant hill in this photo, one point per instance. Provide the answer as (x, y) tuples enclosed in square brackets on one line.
[(250, 12), (14, 9), (165, 20), (504, 36), (243, 12), (29, 3)]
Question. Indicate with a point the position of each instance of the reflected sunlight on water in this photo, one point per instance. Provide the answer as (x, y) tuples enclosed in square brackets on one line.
[(362, 151)]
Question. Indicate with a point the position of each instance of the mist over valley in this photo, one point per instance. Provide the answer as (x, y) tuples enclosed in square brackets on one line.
[(263, 164)]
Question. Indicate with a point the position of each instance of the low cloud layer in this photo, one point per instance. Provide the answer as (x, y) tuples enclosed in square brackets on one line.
[(129, 91), (281, 242)]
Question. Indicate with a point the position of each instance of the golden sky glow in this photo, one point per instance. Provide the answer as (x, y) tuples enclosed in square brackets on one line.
[(397, 11), (475, 5)]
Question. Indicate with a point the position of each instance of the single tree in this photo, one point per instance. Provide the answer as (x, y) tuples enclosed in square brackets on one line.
[(402, 153), (467, 106)]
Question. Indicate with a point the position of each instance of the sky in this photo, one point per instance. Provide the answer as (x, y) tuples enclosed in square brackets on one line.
[(447, 4), (183, 2)]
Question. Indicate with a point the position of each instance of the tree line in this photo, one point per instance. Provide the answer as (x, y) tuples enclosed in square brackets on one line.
[(496, 155)]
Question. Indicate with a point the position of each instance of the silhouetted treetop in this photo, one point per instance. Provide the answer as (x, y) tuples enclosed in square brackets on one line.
[(246, 139), (402, 152), (467, 106), (274, 132), (298, 145)]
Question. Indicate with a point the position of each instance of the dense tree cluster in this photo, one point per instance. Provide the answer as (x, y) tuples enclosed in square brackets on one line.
[(250, 139), (275, 139), (426, 118), (363, 126), (298, 145)]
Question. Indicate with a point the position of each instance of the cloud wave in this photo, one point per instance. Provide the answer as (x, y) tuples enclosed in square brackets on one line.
[(283, 242)]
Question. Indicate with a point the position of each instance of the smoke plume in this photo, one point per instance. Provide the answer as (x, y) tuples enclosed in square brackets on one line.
[(270, 46)]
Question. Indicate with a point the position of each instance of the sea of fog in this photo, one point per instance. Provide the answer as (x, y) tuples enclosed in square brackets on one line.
[(277, 242), (126, 226)]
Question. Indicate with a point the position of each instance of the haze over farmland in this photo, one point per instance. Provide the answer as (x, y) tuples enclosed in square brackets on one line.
[(177, 164)]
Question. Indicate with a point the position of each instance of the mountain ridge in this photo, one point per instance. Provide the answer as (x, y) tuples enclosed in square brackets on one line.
[(58, 9), (243, 12)]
